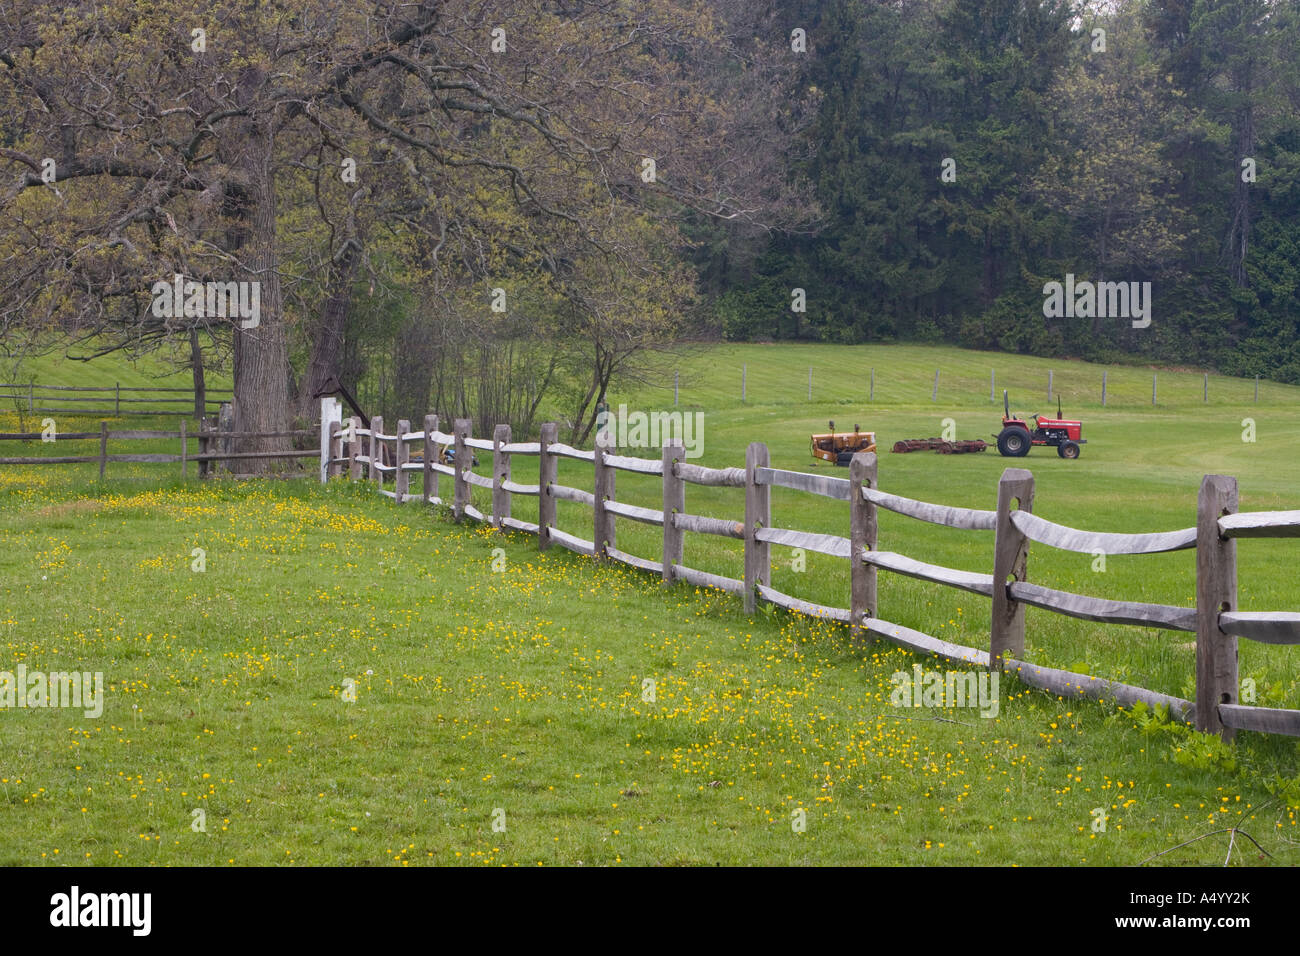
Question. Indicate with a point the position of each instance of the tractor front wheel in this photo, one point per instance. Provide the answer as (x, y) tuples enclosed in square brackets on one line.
[(1067, 449), (1013, 442)]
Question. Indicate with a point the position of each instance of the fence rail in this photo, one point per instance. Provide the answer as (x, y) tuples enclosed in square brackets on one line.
[(213, 445), (1214, 619), (1082, 384), (34, 396)]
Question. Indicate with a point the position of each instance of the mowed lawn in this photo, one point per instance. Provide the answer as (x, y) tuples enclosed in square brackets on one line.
[(501, 716)]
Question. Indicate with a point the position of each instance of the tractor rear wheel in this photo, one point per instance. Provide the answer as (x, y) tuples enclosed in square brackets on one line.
[(1013, 442), (1067, 449)]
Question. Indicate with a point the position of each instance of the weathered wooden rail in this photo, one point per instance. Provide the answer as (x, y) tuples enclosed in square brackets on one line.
[(1215, 618), (54, 399), (213, 446)]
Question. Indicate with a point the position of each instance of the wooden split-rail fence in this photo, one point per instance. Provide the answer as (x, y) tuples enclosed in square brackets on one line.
[(214, 445), (107, 399), (364, 453)]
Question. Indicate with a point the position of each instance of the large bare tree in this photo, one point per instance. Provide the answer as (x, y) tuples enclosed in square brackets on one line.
[(276, 142)]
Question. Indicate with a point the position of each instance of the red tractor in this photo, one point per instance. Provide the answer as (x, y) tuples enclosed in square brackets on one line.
[(1016, 436)]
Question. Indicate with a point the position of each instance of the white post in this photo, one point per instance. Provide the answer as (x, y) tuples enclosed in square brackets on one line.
[(331, 412)]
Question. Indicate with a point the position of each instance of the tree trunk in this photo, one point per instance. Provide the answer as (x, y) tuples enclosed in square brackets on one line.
[(602, 372), (1238, 241), (196, 369), (413, 369), (325, 365), (261, 350)]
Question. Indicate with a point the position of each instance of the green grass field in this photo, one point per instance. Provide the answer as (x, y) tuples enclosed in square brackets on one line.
[(521, 690), (60, 366), (1140, 471), (162, 368)]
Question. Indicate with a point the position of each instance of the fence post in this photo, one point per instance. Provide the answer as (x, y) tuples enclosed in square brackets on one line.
[(862, 537), (464, 456), (1049, 384), (117, 399), (602, 491), (1010, 560), (185, 460), (376, 450), (1153, 388), (332, 453), (331, 411), (334, 461), (500, 473), (430, 453), (548, 473), (103, 448), (205, 424), (337, 451), (1206, 385), (226, 444), (1103, 389), (354, 449), (1216, 591), (674, 503), (934, 393), (401, 483), (758, 514)]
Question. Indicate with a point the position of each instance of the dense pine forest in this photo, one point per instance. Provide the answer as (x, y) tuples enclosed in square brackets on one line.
[(966, 154)]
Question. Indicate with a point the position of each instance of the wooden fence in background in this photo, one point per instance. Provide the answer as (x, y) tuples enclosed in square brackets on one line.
[(54, 399), (836, 393), (1215, 620), (213, 446)]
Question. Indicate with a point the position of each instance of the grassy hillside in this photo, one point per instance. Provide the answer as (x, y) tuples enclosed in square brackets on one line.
[(342, 681), (1140, 470), (502, 680), (710, 377), (161, 367)]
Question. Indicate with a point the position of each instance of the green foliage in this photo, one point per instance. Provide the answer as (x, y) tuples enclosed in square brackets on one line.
[(1201, 751), (758, 311), (1122, 164), (1286, 789), (1149, 720), (1187, 747)]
